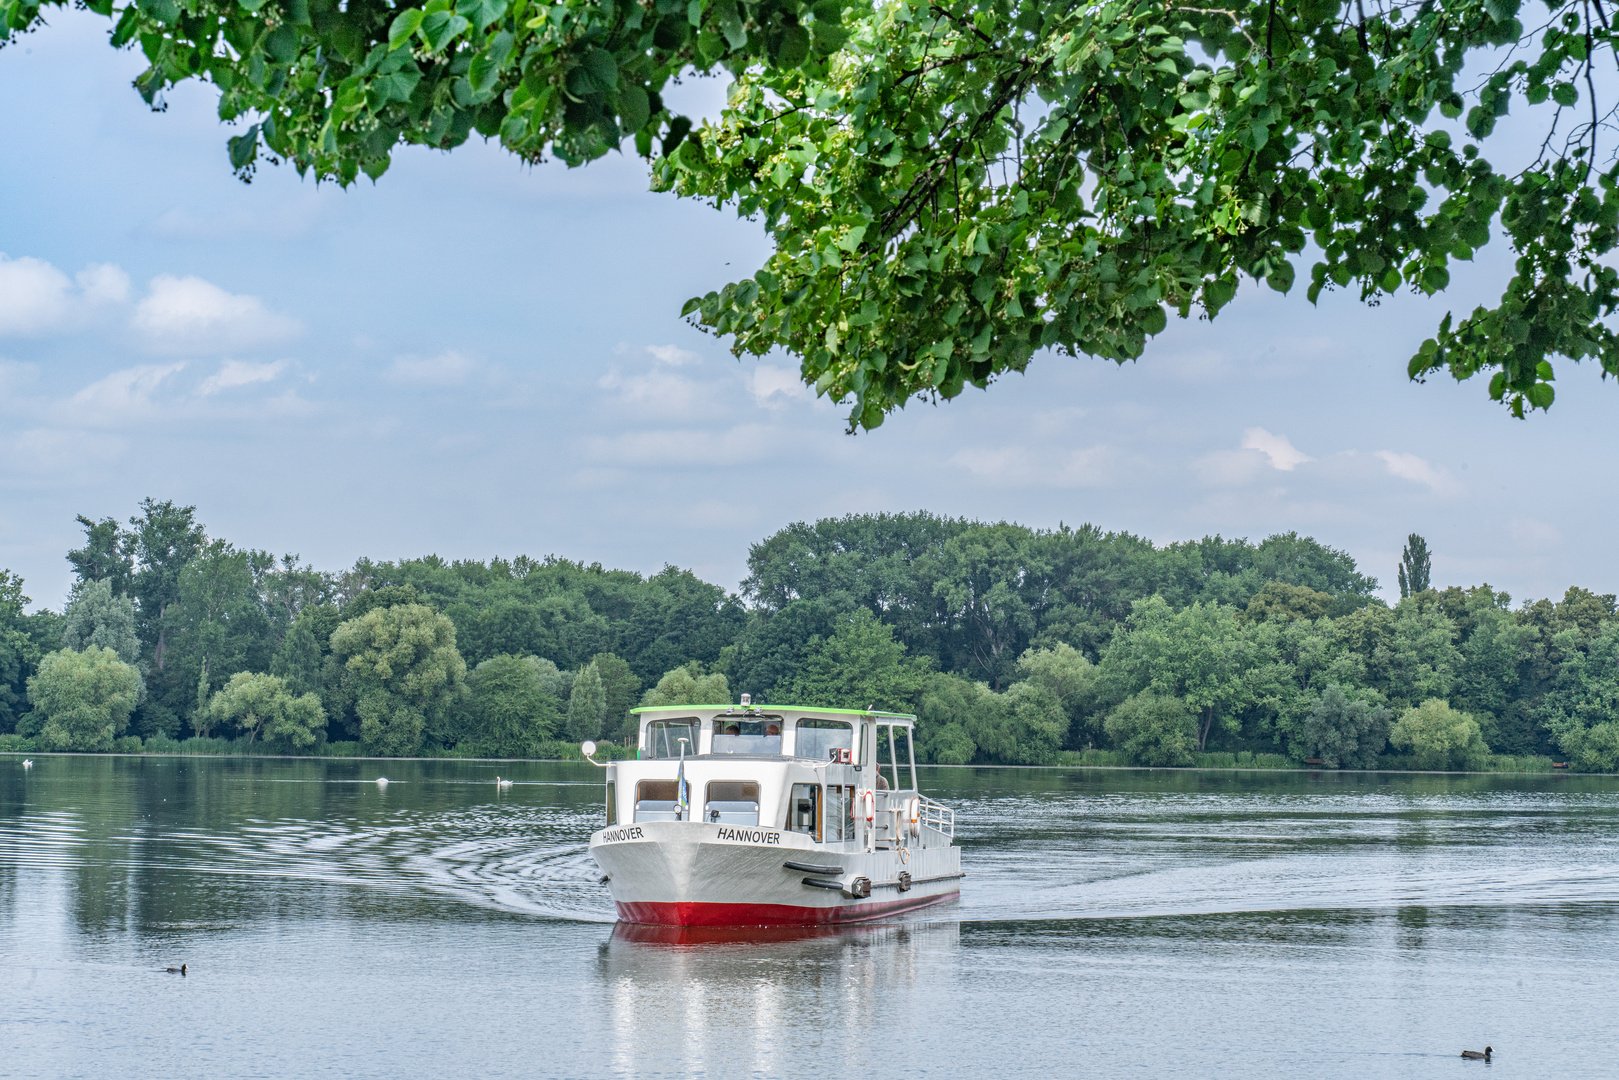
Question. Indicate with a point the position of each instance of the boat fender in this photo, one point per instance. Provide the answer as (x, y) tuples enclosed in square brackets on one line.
[(913, 814), (904, 881), (860, 888), (868, 803)]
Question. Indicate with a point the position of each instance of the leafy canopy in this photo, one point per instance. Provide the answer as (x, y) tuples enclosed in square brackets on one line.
[(952, 186), (83, 698)]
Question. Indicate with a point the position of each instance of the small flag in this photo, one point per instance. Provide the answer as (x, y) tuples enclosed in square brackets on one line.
[(682, 794)]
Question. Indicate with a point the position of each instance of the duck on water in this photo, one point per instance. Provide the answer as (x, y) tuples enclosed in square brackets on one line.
[(757, 815), (1474, 1055)]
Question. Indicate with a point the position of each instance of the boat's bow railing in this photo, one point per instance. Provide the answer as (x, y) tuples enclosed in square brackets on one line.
[(938, 817)]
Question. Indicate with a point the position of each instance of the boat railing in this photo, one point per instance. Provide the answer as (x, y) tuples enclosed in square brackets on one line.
[(938, 817)]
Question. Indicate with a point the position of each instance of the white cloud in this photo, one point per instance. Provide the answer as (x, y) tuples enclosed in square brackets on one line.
[(120, 398), (673, 355), (773, 386), (34, 296), (234, 373), (1435, 478), (1230, 468), (190, 315), (1283, 455), (660, 393), (446, 369), (1022, 466), (103, 283)]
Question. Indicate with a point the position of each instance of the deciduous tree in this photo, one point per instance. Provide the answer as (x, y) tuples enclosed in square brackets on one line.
[(83, 699), (1437, 736), (258, 704), (95, 615), (587, 704), (403, 673), (1345, 732), (513, 708), (1154, 729)]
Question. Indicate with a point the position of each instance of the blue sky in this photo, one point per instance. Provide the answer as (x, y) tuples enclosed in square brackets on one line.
[(476, 358)]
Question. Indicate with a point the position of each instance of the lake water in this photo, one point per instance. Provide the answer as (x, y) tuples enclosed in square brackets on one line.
[(1113, 923)]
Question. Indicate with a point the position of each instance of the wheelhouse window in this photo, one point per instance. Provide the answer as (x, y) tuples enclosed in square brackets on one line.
[(656, 800), (816, 738), (904, 757), (732, 802), (738, 735), (612, 803), (887, 779), (663, 737), (804, 810)]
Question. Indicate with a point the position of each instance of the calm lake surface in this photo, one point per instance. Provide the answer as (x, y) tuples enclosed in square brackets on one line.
[(1113, 923)]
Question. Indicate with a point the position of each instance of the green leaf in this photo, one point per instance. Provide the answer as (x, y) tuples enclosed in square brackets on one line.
[(404, 25), (1435, 278), (281, 44), (828, 37), (671, 32), (1565, 94), (602, 67), (439, 28), (633, 108), (481, 12), (243, 148), (1540, 395), (790, 48), (484, 71), (163, 11)]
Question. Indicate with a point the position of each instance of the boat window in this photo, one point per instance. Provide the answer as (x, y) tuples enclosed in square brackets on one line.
[(818, 738), (732, 802), (887, 776), (839, 816), (905, 757), (656, 800), (735, 735), (804, 810), (663, 737), (612, 803)]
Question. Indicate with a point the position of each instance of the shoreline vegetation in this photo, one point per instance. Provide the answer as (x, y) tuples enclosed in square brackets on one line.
[(1013, 646), (1090, 759)]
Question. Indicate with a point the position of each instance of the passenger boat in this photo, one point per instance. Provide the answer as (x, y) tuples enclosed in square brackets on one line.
[(772, 815)]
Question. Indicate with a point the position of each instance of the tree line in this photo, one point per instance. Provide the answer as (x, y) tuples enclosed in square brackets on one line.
[(1012, 645)]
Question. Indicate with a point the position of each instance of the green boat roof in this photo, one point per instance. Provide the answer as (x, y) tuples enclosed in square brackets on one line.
[(759, 707)]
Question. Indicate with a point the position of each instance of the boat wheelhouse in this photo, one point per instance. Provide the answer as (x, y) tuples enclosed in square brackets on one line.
[(767, 815)]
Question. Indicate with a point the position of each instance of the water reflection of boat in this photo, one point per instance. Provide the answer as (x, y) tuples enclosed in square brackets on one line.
[(655, 934), (771, 815)]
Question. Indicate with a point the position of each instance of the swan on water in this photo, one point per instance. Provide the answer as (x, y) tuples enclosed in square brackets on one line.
[(1474, 1055), (502, 784), (28, 763), (382, 781)]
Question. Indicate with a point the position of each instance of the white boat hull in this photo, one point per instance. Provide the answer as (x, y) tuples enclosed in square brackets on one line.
[(696, 873)]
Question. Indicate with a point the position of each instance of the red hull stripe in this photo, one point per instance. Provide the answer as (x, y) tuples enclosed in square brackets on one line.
[(685, 913)]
